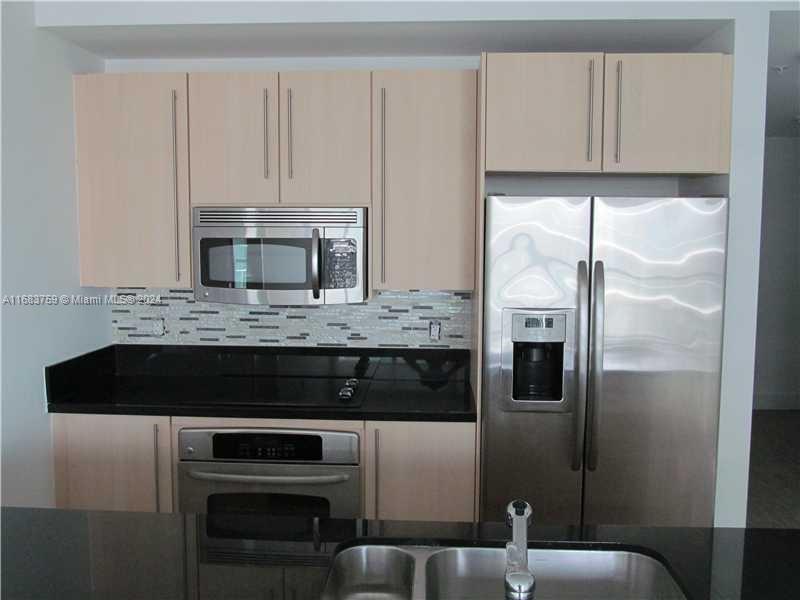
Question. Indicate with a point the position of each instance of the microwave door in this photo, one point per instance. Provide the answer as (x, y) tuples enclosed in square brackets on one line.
[(258, 265)]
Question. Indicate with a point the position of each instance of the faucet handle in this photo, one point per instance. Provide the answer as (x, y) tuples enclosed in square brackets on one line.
[(519, 508)]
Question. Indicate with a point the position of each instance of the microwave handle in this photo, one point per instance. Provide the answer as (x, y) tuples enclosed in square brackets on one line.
[(270, 479), (315, 256)]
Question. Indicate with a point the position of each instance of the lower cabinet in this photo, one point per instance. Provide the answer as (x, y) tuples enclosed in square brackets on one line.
[(251, 582), (420, 471), (239, 582), (116, 542), (112, 462), (300, 583)]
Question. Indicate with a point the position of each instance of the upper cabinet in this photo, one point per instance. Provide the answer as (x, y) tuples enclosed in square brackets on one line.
[(132, 178), (325, 133), (632, 113), (667, 113), (234, 138), (424, 157), (544, 112)]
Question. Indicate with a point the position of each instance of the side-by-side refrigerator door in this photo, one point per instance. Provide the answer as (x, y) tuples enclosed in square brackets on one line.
[(655, 353), (534, 387)]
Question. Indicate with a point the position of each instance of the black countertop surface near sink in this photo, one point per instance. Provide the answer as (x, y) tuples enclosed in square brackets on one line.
[(224, 381), (67, 555)]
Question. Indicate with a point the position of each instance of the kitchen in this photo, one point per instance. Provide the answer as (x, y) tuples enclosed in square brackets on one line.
[(312, 270)]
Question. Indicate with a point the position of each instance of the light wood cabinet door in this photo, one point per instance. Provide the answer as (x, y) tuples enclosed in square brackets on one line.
[(424, 152), (667, 113), (133, 179), (420, 471), (544, 111), (233, 121), (112, 462), (325, 138)]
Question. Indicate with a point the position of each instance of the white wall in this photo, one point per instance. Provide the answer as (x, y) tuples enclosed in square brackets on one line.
[(39, 244), (778, 340)]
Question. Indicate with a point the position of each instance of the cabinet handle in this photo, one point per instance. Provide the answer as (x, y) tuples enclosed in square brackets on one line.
[(155, 468), (266, 133), (383, 185), (290, 133), (175, 183), (618, 153), (377, 465), (590, 119)]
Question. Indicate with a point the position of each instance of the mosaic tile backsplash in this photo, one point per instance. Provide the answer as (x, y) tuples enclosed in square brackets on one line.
[(389, 319)]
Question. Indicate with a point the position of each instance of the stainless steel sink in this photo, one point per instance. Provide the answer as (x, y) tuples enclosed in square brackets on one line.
[(432, 573), (477, 573), (371, 572)]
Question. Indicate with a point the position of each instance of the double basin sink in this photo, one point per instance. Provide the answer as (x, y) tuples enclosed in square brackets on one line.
[(382, 572)]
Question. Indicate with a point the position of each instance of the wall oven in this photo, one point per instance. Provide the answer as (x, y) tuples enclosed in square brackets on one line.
[(279, 472), (279, 255)]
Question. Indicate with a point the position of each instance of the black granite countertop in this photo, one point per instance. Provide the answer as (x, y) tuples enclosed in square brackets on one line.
[(73, 554), (224, 381)]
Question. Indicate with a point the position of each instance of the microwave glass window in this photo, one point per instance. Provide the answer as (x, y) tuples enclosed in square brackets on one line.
[(255, 263)]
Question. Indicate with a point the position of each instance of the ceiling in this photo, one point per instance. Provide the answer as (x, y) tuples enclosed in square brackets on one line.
[(385, 39), (783, 85)]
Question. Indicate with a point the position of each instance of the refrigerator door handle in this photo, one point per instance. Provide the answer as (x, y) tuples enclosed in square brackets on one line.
[(581, 363), (596, 363)]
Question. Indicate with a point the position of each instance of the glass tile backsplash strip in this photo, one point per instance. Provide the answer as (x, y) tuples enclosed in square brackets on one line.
[(389, 319)]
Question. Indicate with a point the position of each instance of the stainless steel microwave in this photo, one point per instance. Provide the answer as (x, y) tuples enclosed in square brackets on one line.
[(301, 256)]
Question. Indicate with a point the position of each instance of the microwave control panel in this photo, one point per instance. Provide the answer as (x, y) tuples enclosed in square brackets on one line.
[(340, 264)]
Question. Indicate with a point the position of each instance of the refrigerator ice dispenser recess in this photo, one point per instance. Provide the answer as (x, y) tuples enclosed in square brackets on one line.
[(538, 369)]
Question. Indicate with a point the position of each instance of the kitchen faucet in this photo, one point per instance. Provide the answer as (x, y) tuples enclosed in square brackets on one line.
[(520, 582)]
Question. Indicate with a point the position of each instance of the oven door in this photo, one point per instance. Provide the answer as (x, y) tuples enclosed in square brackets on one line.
[(258, 265), (217, 488)]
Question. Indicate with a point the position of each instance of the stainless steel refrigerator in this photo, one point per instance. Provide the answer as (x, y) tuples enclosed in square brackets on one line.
[(602, 352)]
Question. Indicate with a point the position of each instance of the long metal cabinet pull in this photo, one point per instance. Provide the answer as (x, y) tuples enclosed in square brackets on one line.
[(175, 183), (155, 468), (315, 284), (590, 119), (618, 152), (290, 133), (582, 331), (596, 358), (383, 185), (377, 460), (266, 133)]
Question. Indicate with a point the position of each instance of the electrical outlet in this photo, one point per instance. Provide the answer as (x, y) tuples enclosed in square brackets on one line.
[(159, 327), (435, 330)]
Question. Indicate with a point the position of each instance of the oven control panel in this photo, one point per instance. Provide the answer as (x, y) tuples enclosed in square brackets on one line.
[(269, 445)]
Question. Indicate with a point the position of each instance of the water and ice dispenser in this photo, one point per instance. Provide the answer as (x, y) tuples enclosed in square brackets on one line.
[(537, 358)]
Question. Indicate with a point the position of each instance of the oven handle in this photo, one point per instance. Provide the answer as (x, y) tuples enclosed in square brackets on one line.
[(315, 255), (270, 479)]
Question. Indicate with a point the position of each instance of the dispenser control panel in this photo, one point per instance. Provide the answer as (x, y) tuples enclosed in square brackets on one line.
[(539, 327)]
